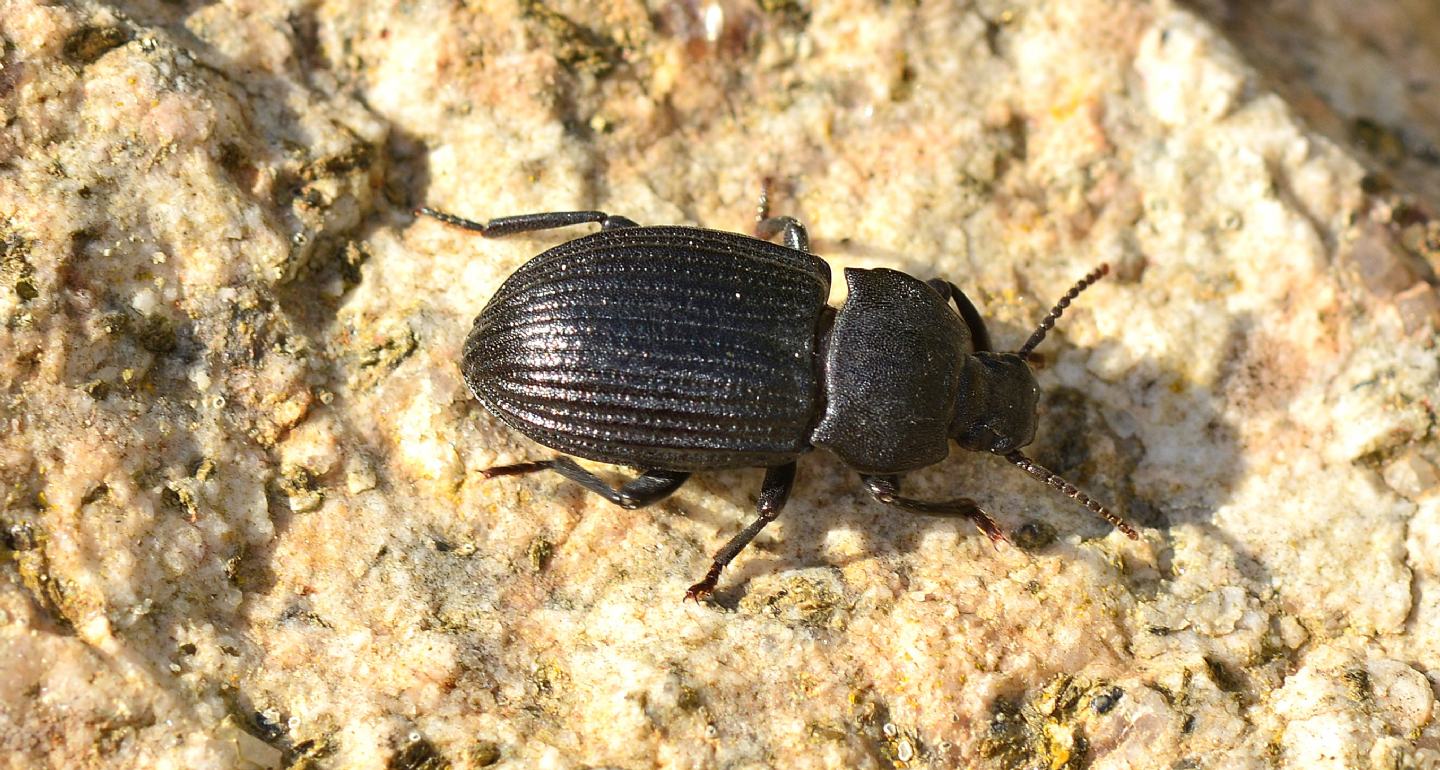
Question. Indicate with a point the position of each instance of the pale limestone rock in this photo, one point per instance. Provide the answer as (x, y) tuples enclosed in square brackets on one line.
[(243, 519)]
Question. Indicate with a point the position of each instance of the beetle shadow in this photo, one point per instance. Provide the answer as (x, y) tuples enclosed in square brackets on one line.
[(1098, 448), (1288, 47)]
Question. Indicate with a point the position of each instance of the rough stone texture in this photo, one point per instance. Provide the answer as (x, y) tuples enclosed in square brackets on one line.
[(1365, 74), (244, 524)]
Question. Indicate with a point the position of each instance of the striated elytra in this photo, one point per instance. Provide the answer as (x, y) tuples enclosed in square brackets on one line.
[(680, 349)]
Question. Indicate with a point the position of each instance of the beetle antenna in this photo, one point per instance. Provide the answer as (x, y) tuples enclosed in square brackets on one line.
[(1049, 321), (1066, 488)]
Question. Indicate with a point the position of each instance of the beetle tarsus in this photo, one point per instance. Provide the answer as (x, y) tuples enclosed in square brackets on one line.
[(648, 488), (518, 469), (702, 590), (774, 491)]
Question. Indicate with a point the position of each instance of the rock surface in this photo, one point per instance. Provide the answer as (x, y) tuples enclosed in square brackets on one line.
[(244, 521)]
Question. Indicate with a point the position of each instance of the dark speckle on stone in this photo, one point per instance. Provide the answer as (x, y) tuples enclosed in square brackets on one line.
[(1104, 701), (418, 754), (485, 753), (1033, 536), (539, 553), (266, 728), (20, 537), (88, 44), (156, 333)]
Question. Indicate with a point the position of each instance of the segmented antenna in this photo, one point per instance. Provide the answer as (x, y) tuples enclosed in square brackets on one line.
[(1066, 488), (1049, 321)]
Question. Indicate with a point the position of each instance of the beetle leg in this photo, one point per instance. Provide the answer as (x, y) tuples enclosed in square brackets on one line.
[(614, 222), (794, 233), (774, 491), (525, 223), (646, 489), (979, 335), (886, 489)]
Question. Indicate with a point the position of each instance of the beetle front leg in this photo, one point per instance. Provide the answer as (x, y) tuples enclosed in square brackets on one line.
[(979, 334), (774, 491), (886, 489), (648, 488), (767, 227), (792, 233), (525, 223)]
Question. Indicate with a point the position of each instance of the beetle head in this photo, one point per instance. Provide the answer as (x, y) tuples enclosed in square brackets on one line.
[(998, 393), (1012, 372), (996, 408)]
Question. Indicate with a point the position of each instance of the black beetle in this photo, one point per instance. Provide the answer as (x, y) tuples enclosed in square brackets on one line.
[(680, 349)]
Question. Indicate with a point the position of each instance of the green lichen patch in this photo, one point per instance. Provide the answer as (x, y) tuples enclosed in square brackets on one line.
[(181, 497), (15, 268), (155, 333), (894, 744), (1357, 685), (800, 599), (484, 753), (356, 157), (300, 488), (114, 323), (310, 754), (350, 258), (96, 389), (792, 13), (379, 352), (1033, 536), (1380, 140), (25, 289), (48, 591), (576, 47), (539, 553), (1042, 732), (204, 469), (418, 753)]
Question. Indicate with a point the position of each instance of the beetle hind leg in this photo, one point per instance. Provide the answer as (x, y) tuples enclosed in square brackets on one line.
[(525, 223), (886, 489), (774, 491), (648, 488)]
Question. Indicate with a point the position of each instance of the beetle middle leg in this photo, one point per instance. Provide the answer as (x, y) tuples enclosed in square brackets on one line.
[(648, 488), (774, 491), (525, 223), (886, 489)]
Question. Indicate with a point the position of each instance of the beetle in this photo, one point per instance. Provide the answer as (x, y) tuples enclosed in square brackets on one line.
[(675, 349)]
